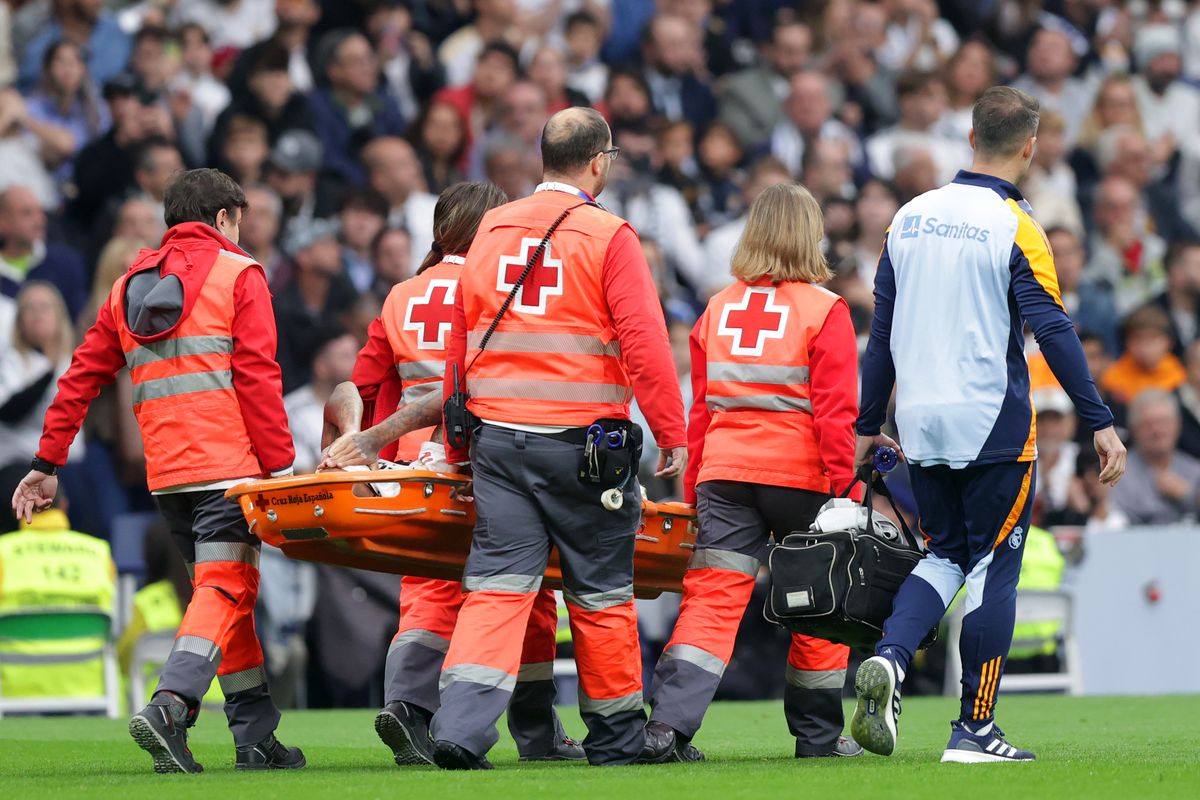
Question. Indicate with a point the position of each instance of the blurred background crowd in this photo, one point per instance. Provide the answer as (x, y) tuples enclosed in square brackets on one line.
[(344, 119)]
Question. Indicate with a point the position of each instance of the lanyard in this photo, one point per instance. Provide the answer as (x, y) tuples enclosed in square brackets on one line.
[(564, 187)]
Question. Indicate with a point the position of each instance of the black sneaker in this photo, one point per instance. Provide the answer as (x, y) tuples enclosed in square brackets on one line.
[(844, 748), (448, 755), (161, 730), (405, 729), (270, 753), (565, 749)]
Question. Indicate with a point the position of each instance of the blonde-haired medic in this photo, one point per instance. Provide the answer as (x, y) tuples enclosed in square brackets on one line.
[(962, 270), (770, 439)]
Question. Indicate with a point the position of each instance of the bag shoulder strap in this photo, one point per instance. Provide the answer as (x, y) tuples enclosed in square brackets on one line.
[(533, 259)]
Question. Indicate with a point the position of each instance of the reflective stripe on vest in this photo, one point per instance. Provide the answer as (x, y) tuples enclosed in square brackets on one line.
[(420, 370), (757, 373), (518, 342), (190, 383), (766, 402), (768, 374), (174, 348), (412, 394), (559, 391)]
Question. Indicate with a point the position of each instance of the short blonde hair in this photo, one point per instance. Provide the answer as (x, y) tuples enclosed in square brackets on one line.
[(782, 238)]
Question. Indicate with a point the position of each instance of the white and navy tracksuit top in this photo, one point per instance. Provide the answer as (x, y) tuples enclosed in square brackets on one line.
[(962, 268)]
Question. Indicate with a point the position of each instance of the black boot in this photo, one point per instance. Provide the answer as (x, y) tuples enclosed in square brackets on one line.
[(270, 753), (161, 730), (448, 755), (405, 729), (660, 744)]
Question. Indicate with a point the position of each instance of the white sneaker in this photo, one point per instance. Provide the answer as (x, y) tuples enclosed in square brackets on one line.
[(877, 686)]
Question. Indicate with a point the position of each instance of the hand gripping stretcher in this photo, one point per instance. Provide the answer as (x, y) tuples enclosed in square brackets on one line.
[(425, 530)]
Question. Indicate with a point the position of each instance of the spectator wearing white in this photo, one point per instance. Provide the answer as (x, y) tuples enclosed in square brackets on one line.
[(586, 73), (808, 117), (654, 209), (1161, 483), (296, 19), (1125, 254), (1050, 186), (922, 100), (1050, 65), (917, 37), (42, 339), (1057, 449), (458, 52), (1169, 107), (752, 99), (722, 241), (394, 171), (230, 23), (195, 78), (20, 154), (970, 71)]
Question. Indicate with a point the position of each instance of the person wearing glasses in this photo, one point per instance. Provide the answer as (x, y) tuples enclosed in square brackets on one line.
[(556, 327)]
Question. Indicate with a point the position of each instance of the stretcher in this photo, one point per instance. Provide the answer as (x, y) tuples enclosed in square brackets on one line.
[(425, 530)]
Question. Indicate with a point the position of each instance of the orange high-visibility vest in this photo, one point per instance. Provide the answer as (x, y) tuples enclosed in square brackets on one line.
[(756, 338), (183, 395), (416, 318), (554, 358)]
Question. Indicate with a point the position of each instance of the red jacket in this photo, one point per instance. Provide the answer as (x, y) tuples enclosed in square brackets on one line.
[(188, 251)]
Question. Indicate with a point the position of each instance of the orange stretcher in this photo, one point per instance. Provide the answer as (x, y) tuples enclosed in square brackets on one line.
[(425, 530)]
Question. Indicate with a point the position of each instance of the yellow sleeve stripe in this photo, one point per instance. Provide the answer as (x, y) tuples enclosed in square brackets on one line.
[(1033, 243)]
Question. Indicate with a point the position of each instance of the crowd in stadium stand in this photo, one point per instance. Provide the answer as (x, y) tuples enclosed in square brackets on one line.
[(344, 119)]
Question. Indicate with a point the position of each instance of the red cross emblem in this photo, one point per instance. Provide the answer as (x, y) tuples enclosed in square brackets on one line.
[(429, 315), (543, 281), (753, 320)]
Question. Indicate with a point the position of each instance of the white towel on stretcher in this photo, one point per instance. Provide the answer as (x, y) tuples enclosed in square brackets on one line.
[(432, 458)]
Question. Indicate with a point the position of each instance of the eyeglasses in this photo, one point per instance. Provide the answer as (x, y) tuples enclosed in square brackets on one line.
[(611, 152)]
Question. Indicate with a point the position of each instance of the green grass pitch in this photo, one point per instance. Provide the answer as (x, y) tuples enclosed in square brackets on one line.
[(1087, 748)]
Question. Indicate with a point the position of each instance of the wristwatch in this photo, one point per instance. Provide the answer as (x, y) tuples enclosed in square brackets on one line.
[(42, 465)]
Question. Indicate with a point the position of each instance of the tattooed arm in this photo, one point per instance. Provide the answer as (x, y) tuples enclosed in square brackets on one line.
[(343, 413), (362, 448)]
